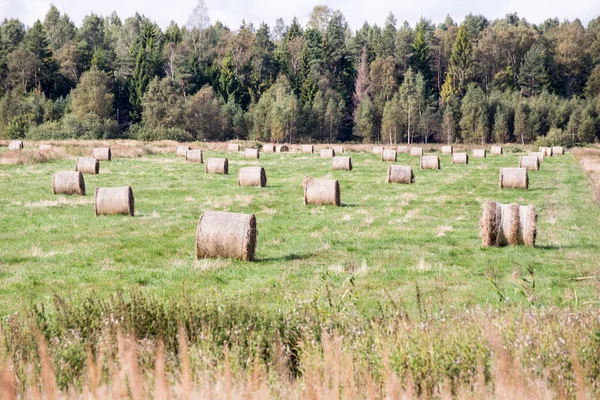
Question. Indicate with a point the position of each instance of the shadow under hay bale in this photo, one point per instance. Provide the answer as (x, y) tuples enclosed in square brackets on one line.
[(87, 165), (342, 163), (416, 151), (558, 150), (15, 145), (460, 158), (233, 148), (447, 150), (252, 176), (282, 148), (327, 153), (308, 148), (496, 150), (402, 149), (102, 154), (321, 192), (114, 201), (226, 235), (508, 224), (430, 162), (268, 148), (516, 178), (531, 163), (479, 153), (389, 155), (217, 166), (399, 174), (182, 150), (194, 156), (71, 183), (251, 153)]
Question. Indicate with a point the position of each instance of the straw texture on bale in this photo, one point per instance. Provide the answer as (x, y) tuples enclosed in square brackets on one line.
[(547, 151), (327, 153), (282, 148), (15, 145), (308, 148), (268, 148), (181, 150), (447, 150), (402, 149), (68, 183), (496, 150), (102, 154), (538, 154), (226, 235), (377, 150), (399, 174), (342, 163), (87, 165), (531, 163), (558, 150), (507, 224), (45, 147), (194, 156), (233, 148), (217, 166), (514, 178), (114, 200), (338, 150), (460, 158), (479, 153), (252, 176), (251, 153), (389, 155), (321, 192), (430, 162), (416, 151)]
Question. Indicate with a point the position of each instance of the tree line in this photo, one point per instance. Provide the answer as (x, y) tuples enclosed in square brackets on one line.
[(479, 81)]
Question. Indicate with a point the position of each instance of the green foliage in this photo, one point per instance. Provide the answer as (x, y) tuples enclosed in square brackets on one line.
[(93, 95), (142, 133), (163, 105)]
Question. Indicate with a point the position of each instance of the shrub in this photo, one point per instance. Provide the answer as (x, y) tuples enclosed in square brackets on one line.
[(139, 132), (556, 137)]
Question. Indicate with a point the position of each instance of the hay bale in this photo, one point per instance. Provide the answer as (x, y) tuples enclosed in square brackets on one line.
[(308, 148), (327, 153), (338, 149), (342, 163), (402, 149), (460, 158), (252, 176), (87, 165), (399, 174), (530, 163), (507, 224), (194, 156), (282, 148), (102, 154), (268, 148), (496, 150), (479, 153), (68, 183), (558, 150), (514, 178), (114, 200), (547, 151), (389, 155), (226, 235), (538, 154), (416, 151), (377, 150), (251, 153), (321, 191), (430, 162), (233, 148), (45, 147), (15, 145), (447, 150), (217, 166), (181, 150)]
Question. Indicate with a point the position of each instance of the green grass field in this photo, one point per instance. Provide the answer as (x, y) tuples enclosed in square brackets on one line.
[(384, 244)]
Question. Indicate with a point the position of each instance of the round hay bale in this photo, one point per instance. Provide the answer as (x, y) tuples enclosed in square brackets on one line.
[(233, 148), (546, 151), (447, 150), (268, 148), (416, 151), (496, 150), (538, 154), (114, 200), (226, 235), (342, 163), (87, 165), (389, 155), (308, 148), (460, 158), (194, 156), (252, 176), (399, 174), (402, 149), (45, 147), (479, 153), (507, 224), (558, 150), (251, 153), (15, 145), (327, 153), (181, 150), (338, 149), (68, 183), (514, 178), (282, 148), (531, 163), (217, 166), (102, 153), (430, 162), (321, 192), (377, 150)]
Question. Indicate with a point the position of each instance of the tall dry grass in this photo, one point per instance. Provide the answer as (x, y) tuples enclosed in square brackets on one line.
[(589, 160)]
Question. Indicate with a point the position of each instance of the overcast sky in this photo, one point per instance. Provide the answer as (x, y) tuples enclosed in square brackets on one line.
[(357, 12)]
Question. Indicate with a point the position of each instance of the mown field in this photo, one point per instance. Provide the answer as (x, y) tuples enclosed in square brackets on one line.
[(387, 243)]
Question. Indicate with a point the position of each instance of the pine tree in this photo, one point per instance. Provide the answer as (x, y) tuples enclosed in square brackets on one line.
[(37, 43), (533, 77), (387, 46), (461, 61), (365, 126)]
